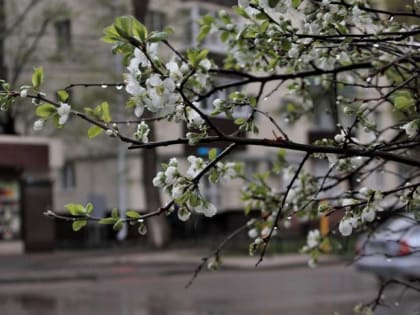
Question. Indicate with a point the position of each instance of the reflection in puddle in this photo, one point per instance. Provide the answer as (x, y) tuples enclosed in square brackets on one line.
[(27, 304), (113, 304)]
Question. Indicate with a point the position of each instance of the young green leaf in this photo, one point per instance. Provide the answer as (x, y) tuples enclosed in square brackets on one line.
[(115, 214), (78, 225), (94, 131), (76, 209), (45, 110), (107, 221), (212, 154), (118, 225), (157, 37), (133, 214), (89, 208), (63, 96), (37, 77), (106, 116)]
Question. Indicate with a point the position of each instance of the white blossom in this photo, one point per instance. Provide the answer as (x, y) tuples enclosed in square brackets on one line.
[(194, 119), (312, 263), (173, 162), (63, 111), (24, 93), (206, 64), (196, 165), (183, 214), (174, 70), (159, 180), (313, 239), (368, 214), (411, 128), (138, 110), (177, 190), (170, 175), (142, 132), (253, 233), (38, 125), (339, 138), (347, 202), (207, 208), (345, 227)]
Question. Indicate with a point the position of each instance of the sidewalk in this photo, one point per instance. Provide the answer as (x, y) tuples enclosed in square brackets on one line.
[(96, 264)]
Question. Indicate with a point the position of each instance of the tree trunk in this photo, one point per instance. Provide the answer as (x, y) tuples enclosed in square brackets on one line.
[(159, 232), (7, 119)]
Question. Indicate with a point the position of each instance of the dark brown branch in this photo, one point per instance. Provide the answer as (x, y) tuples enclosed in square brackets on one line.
[(215, 253)]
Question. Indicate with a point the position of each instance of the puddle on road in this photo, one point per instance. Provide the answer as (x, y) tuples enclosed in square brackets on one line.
[(27, 304), (33, 304)]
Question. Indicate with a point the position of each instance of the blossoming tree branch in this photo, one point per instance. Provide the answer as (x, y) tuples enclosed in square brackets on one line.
[(291, 46)]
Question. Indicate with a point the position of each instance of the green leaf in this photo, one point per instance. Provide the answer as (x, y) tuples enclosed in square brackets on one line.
[(94, 131), (240, 121), (123, 26), (157, 37), (115, 214), (224, 36), (45, 110), (63, 96), (133, 214), (241, 11), (78, 225), (273, 3), (107, 221), (207, 19), (286, 45), (76, 209), (139, 30), (296, 3), (204, 30), (212, 154), (106, 116), (404, 103), (118, 225), (89, 208), (37, 77)]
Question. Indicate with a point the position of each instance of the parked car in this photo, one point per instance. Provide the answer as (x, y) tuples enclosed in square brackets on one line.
[(393, 250)]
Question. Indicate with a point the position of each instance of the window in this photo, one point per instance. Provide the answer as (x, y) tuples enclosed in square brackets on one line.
[(68, 176), (155, 20), (63, 34)]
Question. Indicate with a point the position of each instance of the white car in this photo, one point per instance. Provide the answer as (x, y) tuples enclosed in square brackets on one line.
[(393, 250)]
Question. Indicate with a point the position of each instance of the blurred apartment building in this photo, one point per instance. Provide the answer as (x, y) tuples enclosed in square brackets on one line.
[(102, 170)]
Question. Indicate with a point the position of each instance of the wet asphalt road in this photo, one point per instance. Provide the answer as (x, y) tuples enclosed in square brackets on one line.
[(296, 291)]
